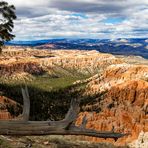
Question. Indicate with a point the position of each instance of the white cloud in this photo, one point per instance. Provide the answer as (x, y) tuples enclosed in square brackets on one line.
[(41, 19), (29, 3)]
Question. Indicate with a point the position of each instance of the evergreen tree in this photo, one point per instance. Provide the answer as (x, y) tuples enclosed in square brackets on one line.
[(7, 16)]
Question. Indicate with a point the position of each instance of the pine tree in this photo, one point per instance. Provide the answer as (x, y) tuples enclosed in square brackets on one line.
[(7, 16)]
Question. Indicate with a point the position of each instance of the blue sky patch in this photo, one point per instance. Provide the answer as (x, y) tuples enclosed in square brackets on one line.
[(113, 20), (80, 15)]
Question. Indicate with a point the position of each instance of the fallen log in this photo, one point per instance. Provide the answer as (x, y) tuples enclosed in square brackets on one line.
[(66, 126)]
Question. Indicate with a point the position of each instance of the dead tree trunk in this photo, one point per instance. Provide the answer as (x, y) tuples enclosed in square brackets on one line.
[(63, 127)]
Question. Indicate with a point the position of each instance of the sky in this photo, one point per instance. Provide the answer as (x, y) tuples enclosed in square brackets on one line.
[(99, 19)]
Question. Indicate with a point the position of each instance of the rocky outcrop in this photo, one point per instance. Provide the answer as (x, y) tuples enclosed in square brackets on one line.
[(28, 67), (141, 142), (117, 74), (20, 70), (70, 61), (6, 108), (84, 62), (123, 105)]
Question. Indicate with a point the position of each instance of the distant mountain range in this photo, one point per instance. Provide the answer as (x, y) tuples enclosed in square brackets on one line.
[(132, 46)]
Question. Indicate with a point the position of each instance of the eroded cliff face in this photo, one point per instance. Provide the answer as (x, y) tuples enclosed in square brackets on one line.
[(19, 67), (23, 62), (117, 74), (123, 105)]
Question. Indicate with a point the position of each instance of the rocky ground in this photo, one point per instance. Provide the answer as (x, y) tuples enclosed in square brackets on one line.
[(50, 142), (115, 96)]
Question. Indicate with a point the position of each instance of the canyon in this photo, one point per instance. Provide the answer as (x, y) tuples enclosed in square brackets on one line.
[(115, 88)]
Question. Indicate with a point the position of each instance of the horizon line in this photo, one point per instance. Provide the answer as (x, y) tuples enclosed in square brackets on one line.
[(77, 39)]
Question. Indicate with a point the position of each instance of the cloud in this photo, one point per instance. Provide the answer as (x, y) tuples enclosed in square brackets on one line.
[(87, 7), (29, 3), (110, 7), (30, 8), (41, 19)]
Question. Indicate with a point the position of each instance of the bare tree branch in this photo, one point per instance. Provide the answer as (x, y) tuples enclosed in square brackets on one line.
[(63, 127), (21, 128), (26, 102)]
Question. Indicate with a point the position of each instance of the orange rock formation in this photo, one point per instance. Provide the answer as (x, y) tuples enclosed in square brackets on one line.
[(124, 106)]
